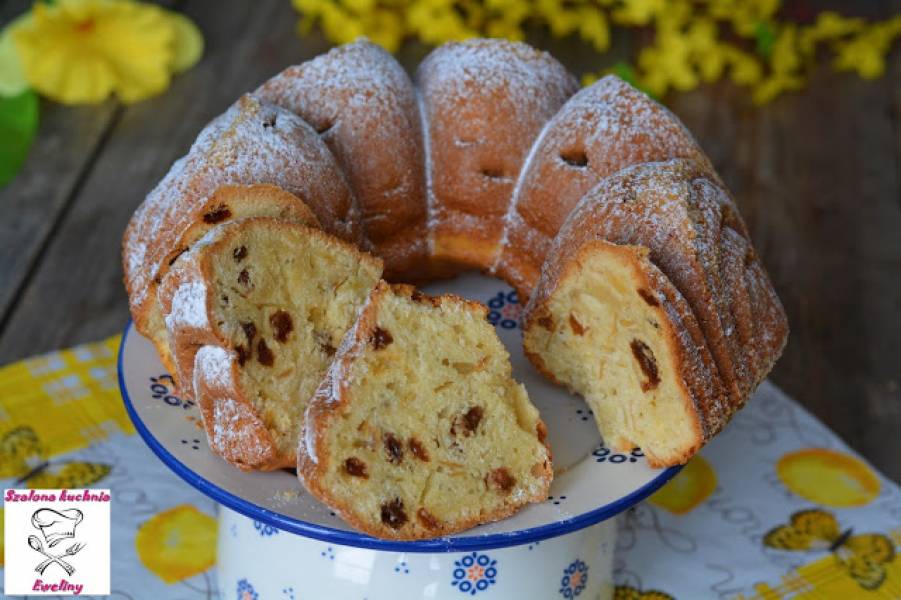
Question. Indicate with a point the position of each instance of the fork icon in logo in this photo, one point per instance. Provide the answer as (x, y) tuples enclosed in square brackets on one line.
[(55, 526)]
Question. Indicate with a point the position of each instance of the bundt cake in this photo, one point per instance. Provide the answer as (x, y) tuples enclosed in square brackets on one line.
[(654, 307), (483, 102), (251, 143), (272, 300), (362, 103), (602, 129), (249, 263), (419, 429)]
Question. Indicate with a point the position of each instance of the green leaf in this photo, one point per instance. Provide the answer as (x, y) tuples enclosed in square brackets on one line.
[(18, 125), (765, 36)]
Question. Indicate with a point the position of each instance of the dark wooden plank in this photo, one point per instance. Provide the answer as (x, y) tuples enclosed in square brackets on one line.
[(76, 294), (816, 176), (34, 201)]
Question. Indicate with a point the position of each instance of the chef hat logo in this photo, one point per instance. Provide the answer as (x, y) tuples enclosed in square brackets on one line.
[(56, 525)]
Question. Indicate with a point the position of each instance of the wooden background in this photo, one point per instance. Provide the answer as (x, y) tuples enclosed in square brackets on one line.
[(817, 175)]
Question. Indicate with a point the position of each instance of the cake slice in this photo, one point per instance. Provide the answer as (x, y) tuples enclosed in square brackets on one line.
[(654, 306), (418, 429), (254, 313), (614, 330)]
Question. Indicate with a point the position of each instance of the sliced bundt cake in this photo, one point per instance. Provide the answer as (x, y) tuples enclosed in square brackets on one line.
[(419, 429), (483, 103), (655, 308), (254, 313), (253, 142)]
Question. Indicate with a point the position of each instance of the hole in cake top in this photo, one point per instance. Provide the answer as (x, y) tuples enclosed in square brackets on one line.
[(575, 158), (492, 172), (217, 215), (239, 253), (270, 121)]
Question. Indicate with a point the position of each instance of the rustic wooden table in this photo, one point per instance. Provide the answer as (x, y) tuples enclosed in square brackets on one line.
[(817, 175)]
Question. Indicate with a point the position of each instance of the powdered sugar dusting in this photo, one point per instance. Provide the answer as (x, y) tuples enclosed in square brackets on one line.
[(188, 306), (600, 130), (253, 142), (483, 102), (364, 104), (213, 364)]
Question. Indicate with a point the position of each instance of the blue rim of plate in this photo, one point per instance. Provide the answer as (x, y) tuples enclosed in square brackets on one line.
[(359, 540)]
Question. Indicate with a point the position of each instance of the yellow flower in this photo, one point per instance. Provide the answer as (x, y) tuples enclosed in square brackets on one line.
[(865, 52), (667, 65), (81, 51), (638, 12), (828, 26), (593, 27), (706, 52), (744, 15), (744, 68), (785, 64), (177, 543)]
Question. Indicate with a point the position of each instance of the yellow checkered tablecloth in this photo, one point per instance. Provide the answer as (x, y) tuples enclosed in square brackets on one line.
[(758, 514)]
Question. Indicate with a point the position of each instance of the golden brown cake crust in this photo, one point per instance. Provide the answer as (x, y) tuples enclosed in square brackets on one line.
[(251, 143), (697, 239), (331, 400), (363, 104), (602, 129), (483, 102)]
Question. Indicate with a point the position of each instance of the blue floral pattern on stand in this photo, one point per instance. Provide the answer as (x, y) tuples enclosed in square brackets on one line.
[(246, 591), (505, 310), (474, 573), (328, 553), (264, 529), (604, 454), (575, 578), (162, 387)]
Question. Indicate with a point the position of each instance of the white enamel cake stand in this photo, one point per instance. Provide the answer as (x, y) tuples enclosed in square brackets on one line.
[(276, 541)]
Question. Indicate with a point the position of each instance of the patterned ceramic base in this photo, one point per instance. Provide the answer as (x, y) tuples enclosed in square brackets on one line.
[(591, 484), (578, 565)]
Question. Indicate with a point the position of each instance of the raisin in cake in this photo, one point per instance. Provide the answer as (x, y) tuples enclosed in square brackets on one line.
[(655, 308), (254, 313), (419, 429)]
